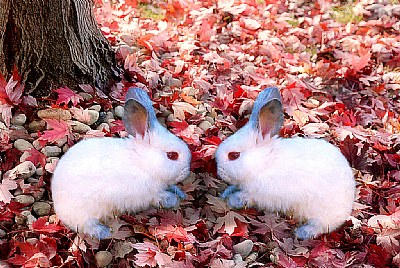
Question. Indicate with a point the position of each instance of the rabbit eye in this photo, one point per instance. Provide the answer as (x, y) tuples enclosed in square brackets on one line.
[(172, 155), (233, 155)]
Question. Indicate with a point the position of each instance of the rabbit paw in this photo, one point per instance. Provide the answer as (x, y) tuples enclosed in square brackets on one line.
[(177, 191), (169, 200), (228, 191), (309, 230), (95, 229), (237, 200)]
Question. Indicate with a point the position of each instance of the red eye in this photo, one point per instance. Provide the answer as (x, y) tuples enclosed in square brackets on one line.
[(233, 155), (173, 155)]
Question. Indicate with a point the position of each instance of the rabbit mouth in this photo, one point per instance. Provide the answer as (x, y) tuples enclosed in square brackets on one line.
[(222, 175)]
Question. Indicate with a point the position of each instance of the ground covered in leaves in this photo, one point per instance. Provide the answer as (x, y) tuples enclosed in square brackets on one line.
[(203, 64)]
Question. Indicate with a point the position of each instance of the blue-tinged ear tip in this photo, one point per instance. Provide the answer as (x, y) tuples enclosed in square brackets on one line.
[(268, 94), (139, 95)]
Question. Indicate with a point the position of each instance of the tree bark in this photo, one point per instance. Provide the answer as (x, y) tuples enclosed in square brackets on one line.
[(54, 43)]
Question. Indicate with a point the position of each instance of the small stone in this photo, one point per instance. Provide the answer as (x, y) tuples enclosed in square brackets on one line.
[(95, 107), (2, 234), (119, 111), (22, 171), (36, 125), (39, 171), (170, 118), (108, 117), (80, 127), (38, 146), (103, 258), (65, 148), (244, 248), (85, 96), (18, 191), (51, 151), (204, 125), (18, 119), (41, 208), (62, 141), (32, 180), (38, 194), (237, 258), (55, 113), (22, 145), (93, 117), (25, 199), (30, 219), (104, 126)]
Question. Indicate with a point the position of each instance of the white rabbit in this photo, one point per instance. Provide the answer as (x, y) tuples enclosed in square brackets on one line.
[(308, 177), (100, 176)]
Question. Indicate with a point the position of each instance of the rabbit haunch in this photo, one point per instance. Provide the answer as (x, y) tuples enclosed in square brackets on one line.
[(307, 177), (99, 177)]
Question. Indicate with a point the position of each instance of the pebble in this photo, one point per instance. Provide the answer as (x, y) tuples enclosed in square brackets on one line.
[(30, 219), (93, 117), (104, 126), (80, 127), (39, 171), (51, 151), (38, 194), (22, 144), (62, 141), (25, 199), (109, 117), (36, 125), (2, 234), (55, 113), (24, 156), (95, 107), (119, 111), (103, 258), (244, 248), (41, 208), (22, 171), (85, 96), (170, 118), (37, 145), (204, 125), (18, 119)]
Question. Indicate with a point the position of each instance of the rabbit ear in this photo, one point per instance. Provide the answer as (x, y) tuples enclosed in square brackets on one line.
[(139, 115), (267, 113)]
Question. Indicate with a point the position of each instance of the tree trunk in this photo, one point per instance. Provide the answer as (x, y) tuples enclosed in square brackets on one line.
[(54, 43)]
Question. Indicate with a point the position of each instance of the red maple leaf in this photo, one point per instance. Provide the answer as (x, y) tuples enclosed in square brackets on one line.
[(59, 130), (42, 226), (66, 95), (11, 92), (36, 157)]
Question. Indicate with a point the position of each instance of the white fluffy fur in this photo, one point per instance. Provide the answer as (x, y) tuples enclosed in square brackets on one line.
[(308, 177), (101, 176)]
